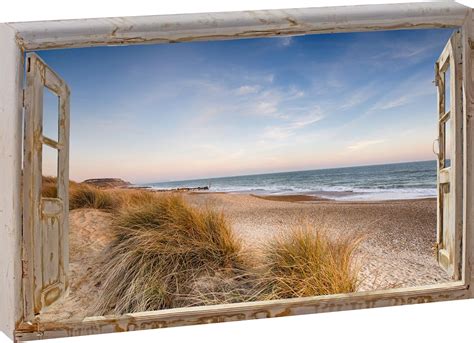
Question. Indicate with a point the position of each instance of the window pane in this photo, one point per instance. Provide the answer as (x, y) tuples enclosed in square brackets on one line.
[(50, 172), (447, 89), (447, 143), (50, 114)]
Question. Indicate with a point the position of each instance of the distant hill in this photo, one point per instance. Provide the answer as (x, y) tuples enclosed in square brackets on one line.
[(107, 183)]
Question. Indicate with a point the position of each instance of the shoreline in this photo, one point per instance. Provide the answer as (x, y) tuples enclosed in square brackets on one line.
[(385, 181), (291, 198), (338, 197), (313, 198)]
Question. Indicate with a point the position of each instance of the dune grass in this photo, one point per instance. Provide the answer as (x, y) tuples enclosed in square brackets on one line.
[(49, 188), (304, 262), (162, 249), (129, 198), (168, 254), (85, 196), (88, 196)]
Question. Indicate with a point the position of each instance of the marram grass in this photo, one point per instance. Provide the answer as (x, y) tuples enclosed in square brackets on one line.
[(168, 254), (85, 196), (161, 250), (304, 262)]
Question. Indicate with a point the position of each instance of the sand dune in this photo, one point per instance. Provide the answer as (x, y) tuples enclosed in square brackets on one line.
[(88, 237), (397, 251)]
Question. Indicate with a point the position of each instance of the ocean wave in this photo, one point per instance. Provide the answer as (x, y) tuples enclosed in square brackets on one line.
[(387, 194), (395, 181), (335, 192)]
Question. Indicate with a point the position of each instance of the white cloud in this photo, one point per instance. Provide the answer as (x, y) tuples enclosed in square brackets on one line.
[(359, 96), (307, 120), (266, 107), (285, 41), (272, 101), (404, 94), (397, 102), (247, 89), (294, 93), (412, 50), (364, 144), (269, 78), (275, 133), (251, 100), (281, 132), (213, 151)]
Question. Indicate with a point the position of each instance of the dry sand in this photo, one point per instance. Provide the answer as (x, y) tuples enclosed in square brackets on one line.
[(399, 235), (397, 250), (89, 234)]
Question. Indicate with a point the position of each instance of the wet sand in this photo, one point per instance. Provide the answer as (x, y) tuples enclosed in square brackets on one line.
[(290, 198)]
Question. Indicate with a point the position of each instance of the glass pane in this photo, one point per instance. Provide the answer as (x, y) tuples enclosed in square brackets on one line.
[(445, 216), (447, 89), (447, 143), (50, 114), (50, 172)]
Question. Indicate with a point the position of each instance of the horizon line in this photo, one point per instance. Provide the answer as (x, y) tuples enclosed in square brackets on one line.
[(283, 172)]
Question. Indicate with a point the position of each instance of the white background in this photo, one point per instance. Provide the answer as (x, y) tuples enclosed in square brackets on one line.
[(439, 322)]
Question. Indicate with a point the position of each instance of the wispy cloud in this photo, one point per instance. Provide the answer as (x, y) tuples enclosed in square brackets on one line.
[(408, 50), (287, 129), (365, 143), (359, 96), (250, 100), (405, 93), (266, 107), (214, 151), (247, 89), (396, 102), (285, 41)]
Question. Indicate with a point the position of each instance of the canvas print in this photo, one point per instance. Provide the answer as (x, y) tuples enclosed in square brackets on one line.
[(221, 172)]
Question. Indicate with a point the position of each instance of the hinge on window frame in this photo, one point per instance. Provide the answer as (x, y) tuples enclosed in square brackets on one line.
[(23, 95), (24, 268)]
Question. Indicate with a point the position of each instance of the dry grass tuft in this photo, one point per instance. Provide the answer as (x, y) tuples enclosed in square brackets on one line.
[(89, 196), (49, 188), (133, 197), (304, 263), (162, 248), (236, 286), (167, 254), (84, 196)]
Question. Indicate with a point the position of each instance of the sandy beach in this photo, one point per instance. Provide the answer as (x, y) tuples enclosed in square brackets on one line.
[(397, 250)]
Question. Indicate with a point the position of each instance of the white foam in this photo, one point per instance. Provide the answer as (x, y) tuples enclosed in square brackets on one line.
[(385, 194), (340, 193)]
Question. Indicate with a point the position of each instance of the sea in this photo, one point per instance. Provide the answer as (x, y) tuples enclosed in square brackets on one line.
[(409, 180)]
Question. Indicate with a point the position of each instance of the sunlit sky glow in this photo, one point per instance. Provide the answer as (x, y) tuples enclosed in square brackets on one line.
[(207, 109)]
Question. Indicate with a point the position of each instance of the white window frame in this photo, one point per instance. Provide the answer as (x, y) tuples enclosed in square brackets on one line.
[(18, 38)]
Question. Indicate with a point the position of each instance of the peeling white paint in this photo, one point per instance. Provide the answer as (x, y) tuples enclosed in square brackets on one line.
[(233, 25), (10, 201)]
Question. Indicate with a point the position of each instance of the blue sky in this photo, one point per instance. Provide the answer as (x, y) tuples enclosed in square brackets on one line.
[(207, 109)]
